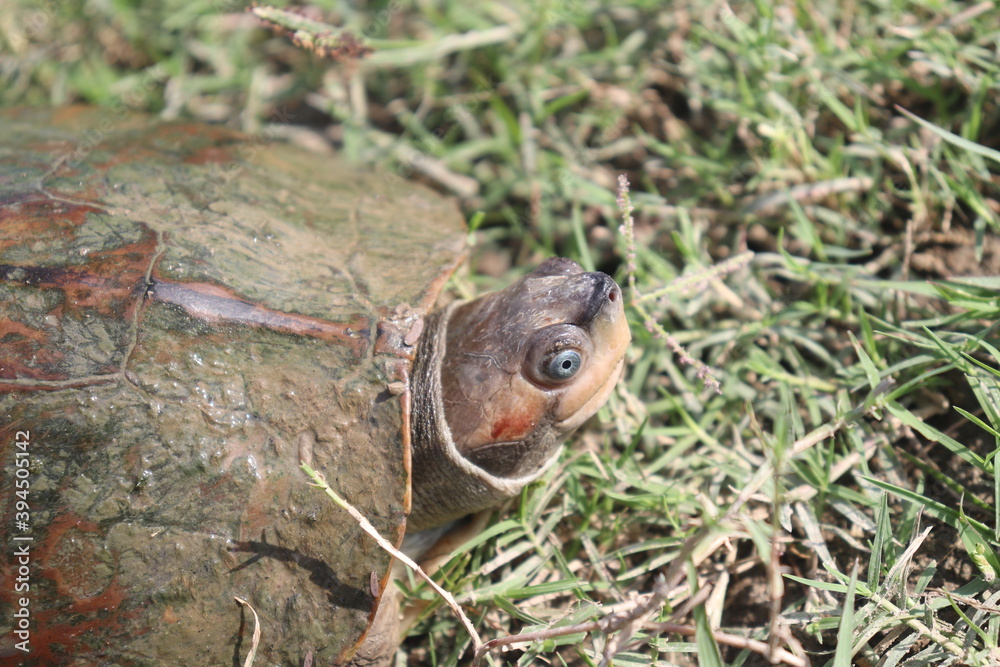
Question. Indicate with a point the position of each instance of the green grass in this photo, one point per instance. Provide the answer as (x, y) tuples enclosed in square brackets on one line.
[(838, 495)]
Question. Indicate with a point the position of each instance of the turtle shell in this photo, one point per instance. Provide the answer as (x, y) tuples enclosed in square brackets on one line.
[(185, 313)]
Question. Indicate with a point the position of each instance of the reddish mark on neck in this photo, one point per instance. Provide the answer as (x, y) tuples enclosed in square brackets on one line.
[(513, 425)]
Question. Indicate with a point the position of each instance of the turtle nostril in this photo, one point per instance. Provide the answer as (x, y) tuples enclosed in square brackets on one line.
[(613, 296)]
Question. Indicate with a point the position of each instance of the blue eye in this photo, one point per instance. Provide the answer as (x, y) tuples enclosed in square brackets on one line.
[(564, 365), (555, 354)]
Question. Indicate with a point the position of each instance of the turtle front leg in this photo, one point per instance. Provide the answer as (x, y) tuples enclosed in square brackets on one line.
[(378, 646)]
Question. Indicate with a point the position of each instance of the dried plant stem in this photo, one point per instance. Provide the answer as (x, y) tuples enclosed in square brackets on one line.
[(320, 482), (323, 39), (700, 280), (606, 625), (780, 655), (627, 230), (255, 641), (617, 621)]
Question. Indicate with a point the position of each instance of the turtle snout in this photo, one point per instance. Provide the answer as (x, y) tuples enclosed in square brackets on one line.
[(604, 291)]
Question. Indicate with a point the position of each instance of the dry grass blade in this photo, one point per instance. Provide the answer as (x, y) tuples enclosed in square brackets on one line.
[(320, 483), (323, 39), (607, 624), (621, 620), (780, 656), (255, 641)]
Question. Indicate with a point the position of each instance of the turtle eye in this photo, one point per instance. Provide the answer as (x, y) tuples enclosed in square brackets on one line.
[(562, 365), (557, 354)]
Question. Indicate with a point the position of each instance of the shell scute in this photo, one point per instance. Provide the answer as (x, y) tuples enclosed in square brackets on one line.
[(179, 304)]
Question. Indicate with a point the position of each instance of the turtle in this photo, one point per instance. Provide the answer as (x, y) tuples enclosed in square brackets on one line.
[(189, 313)]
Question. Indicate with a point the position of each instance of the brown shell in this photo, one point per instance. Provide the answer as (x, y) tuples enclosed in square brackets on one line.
[(184, 311)]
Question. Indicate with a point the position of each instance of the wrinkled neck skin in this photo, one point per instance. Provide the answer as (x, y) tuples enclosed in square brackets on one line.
[(446, 485)]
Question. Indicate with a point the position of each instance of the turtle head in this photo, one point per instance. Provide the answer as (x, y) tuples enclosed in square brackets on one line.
[(527, 365), (501, 381)]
